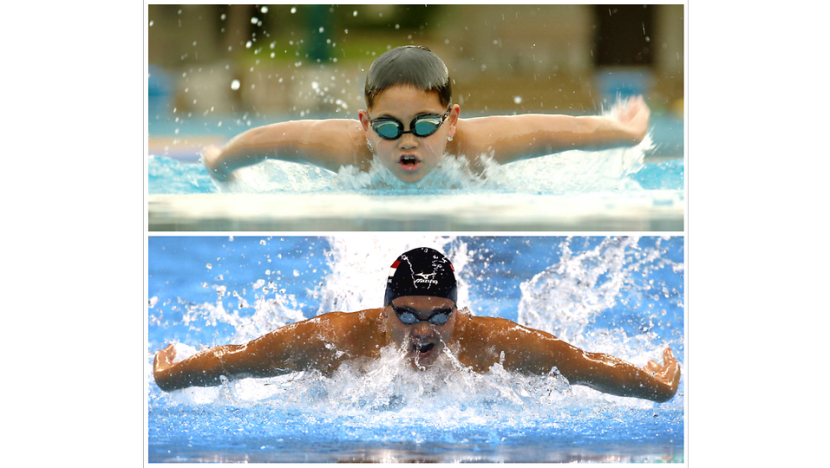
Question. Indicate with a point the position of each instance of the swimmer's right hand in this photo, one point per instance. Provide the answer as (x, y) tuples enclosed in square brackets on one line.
[(163, 360)]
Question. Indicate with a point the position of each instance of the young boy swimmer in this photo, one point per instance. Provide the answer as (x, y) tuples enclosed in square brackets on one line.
[(410, 122), (421, 319)]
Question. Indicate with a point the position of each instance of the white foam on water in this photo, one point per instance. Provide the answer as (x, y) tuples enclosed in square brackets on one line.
[(569, 172), (562, 300)]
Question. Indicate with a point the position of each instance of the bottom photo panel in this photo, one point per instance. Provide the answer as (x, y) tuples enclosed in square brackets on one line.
[(415, 348)]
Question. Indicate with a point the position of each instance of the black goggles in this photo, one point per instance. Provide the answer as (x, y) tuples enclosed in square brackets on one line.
[(438, 317), (390, 128)]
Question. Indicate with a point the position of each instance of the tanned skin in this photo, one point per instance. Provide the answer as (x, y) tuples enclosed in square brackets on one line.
[(329, 340)]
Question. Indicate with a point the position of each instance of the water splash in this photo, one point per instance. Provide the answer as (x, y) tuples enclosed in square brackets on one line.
[(572, 172), (359, 269), (385, 401), (558, 174), (567, 297)]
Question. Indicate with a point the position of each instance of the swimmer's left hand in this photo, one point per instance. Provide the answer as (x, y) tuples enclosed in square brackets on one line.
[(668, 374), (634, 118), (211, 159)]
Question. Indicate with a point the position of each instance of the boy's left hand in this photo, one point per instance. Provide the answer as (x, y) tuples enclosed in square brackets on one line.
[(634, 117)]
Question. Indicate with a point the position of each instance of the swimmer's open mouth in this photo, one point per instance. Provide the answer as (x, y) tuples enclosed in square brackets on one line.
[(423, 348), (409, 162)]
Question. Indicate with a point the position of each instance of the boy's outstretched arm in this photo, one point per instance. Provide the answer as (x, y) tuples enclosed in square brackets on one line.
[(513, 138), (330, 144)]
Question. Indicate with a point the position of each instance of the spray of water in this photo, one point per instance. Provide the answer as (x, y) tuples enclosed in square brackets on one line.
[(570, 172), (563, 299)]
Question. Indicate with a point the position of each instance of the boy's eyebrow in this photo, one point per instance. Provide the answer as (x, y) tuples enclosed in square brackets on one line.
[(419, 114)]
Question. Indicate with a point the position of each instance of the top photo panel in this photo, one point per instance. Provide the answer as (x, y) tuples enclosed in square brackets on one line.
[(415, 118)]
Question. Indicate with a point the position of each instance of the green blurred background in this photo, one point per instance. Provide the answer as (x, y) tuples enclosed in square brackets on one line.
[(216, 70)]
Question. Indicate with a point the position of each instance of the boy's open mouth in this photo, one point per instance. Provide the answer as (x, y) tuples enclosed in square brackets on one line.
[(409, 162)]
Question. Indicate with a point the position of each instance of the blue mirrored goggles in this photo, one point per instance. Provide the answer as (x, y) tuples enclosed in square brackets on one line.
[(390, 128), (439, 317)]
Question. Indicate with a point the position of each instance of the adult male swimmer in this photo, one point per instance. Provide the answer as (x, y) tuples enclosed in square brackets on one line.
[(410, 122), (420, 318)]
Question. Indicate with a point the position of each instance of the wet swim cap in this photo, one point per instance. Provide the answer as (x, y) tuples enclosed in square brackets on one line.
[(421, 272)]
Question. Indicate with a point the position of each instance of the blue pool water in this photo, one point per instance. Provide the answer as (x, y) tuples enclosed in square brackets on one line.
[(622, 296), (173, 170)]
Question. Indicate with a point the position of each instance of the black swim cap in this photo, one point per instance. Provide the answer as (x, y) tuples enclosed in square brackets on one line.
[(421, 272)]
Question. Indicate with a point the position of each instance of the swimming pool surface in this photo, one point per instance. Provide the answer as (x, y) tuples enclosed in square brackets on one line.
[(622, 296)]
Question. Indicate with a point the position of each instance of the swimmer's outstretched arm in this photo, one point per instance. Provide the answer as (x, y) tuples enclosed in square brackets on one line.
[(291, 348), (330, 144), (513, 138), (536, 352)]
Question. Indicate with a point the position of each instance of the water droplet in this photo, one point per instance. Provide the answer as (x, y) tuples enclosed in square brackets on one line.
[(248, 45), (397, 26), (293, 10), (235, 85), (517, 99), (254, 20), (223, 17), (151, 23), (264, 9), (354, 13)]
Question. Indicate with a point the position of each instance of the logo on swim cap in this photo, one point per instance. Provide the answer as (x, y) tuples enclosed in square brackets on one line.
[(425, 278), (421, 272)]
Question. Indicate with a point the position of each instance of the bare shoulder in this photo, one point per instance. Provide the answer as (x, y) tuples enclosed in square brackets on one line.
[(351, 330), (344, 141), (473, 137), (330, 143), (347, 320), (502, 332), (491, 325), (481, 341), (486, 331)]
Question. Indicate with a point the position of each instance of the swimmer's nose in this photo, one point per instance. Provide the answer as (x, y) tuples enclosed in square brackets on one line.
[(422, 330), (408, 141)]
